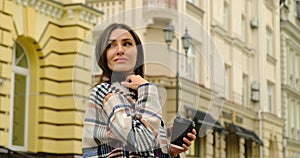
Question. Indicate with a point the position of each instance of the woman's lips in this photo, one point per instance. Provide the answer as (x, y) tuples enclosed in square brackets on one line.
[(120, 60)]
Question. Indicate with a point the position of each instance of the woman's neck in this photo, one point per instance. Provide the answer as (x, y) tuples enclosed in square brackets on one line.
[(119, 76)]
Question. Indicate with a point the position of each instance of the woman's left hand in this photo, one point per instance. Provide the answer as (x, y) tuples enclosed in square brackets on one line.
[(188, 142)]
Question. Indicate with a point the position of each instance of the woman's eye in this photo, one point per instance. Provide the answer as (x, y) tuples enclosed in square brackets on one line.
[(111, 45), (127, 44)]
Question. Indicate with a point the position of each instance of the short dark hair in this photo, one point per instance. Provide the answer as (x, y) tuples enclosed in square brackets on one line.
[(101, 50)]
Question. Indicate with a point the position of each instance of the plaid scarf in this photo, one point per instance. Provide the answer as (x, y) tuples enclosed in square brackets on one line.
[(123, 127)]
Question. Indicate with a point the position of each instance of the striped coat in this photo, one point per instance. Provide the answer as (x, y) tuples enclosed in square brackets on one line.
[(118, 126)]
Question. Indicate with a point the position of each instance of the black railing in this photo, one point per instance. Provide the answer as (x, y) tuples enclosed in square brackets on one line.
[(8, 153)]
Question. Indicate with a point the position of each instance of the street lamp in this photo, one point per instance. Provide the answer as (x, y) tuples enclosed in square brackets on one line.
[(186, 42)]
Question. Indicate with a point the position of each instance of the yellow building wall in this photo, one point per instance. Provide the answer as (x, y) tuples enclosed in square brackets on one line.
[(52, 44), (5, 71)]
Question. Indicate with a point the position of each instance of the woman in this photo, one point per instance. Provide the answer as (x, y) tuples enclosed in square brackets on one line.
[(123, 116)]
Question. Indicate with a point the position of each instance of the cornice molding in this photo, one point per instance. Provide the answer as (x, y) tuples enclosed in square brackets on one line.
[(290, 90), (272, 118), (293, 142), (193, 8), (234, 41), (56, 10), (291, 29)]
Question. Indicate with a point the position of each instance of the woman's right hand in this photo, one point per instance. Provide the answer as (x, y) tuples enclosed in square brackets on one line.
[(187, 140), (134, 81)]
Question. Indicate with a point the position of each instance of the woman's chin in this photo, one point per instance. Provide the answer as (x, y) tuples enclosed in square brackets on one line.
[(122, 69)]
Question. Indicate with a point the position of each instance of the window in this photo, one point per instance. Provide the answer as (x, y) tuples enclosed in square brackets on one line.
[(294, 64), (190, 63), (227, 82), (226, 16), (296, 115), (19, 99), (270, 97), (269, 42), (297, 69), (291, 65), (245, 90), (292, 118)]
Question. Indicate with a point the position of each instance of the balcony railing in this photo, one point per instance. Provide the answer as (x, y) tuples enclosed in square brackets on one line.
[(171, 4)]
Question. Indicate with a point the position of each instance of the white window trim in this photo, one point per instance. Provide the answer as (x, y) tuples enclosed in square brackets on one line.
[(292, 118), (245, 90), (269, 38), (227, 88), (243, 28), (190, 65), (226, 16), (25, 72)]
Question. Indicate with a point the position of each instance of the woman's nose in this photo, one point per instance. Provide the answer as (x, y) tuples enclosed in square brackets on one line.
[(120, 50)]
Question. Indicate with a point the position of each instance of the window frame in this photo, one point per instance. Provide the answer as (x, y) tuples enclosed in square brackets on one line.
[(245, 90), (270, 97), (291, 117), (243, 28), (226, 15), (269, 42), (190, 65), (227, 86), (25, 72)]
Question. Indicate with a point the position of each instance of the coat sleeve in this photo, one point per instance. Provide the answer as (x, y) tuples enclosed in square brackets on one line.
[(148, 106), (95, 127), (136, 124)]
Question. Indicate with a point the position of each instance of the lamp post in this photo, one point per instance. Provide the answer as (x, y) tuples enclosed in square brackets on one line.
[(186, 42)]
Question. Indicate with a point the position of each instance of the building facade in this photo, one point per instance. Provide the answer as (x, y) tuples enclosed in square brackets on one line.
[(247, 35), (290, 74), (45, 71), (39, 42)]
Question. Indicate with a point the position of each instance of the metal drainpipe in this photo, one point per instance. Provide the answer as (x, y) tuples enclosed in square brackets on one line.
[(259, 74), (284, 145)]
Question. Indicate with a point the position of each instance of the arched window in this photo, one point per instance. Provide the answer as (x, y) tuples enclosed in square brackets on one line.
[(19, 99)]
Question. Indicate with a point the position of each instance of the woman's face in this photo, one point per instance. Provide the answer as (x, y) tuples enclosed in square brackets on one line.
[(122, 52)]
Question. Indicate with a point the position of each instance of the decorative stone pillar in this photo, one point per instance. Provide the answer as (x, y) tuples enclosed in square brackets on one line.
[(279, 151), (242, 148), (220, 145), (217, 145), (209, 148), (222, 149)]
